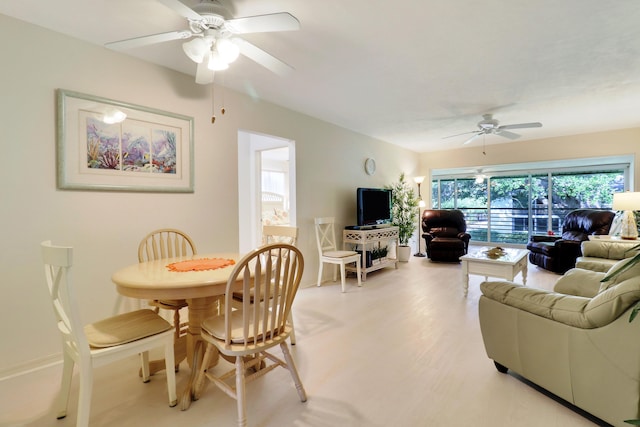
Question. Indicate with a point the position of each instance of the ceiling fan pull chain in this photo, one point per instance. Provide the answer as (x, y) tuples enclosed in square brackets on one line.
[(213, 106)]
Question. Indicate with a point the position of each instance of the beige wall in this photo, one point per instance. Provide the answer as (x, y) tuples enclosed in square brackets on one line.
[(105, 227), (595, 145)]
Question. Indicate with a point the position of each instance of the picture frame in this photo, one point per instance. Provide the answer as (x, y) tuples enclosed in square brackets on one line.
[(108, 145)]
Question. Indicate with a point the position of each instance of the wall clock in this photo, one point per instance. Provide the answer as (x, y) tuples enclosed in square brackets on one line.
[(370, 166)]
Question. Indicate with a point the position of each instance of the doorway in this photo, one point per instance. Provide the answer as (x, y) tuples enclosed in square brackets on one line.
[(266, 185)]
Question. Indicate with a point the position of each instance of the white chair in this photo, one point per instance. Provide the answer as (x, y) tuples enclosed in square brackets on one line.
[(326, 240), (247, 333), (102, 342), (273, 234)]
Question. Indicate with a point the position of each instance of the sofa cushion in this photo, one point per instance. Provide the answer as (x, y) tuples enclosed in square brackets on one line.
[(579, 282), (632, 272), (595, 264), (608, 250)]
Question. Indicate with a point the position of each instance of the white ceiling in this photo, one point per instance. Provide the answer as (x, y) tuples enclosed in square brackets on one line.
[(409, 72)]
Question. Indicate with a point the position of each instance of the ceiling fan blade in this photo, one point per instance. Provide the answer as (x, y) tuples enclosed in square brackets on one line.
[(147, 40), (263, 58), (522, 126), (459, 134), (263, 23), (472, 138), (204, 75), (182, 9), (507, 134)]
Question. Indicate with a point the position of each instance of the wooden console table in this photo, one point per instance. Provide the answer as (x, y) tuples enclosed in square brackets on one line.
[(367, 239)]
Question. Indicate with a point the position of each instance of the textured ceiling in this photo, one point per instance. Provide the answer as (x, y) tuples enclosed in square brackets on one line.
[(409, 72)]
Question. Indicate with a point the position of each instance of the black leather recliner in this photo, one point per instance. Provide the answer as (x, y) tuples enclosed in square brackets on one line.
[(559, 254), (445, 234)]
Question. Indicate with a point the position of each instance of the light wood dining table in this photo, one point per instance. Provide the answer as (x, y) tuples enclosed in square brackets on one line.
[(201, 289)]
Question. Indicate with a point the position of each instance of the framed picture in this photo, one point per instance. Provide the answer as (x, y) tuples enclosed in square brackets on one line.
[(109, 145)]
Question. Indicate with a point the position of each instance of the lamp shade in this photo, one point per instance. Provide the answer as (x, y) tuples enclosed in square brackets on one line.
[(627, 201), (216, 63), (195, 49), (228, 50)]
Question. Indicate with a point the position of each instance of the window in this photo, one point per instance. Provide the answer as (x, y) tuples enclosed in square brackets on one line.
[(510, 207)]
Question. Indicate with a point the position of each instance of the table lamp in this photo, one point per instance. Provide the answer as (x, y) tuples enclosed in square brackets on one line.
[(627, 202)]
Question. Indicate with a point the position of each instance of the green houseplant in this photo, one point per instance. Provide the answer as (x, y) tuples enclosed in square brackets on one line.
[(404, 211)]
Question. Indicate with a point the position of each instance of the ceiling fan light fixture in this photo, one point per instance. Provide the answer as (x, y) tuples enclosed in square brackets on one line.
[(228, 50), (195, 49), (216, 62)]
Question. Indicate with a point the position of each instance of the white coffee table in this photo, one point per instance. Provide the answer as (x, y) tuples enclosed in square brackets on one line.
[(506, 267)]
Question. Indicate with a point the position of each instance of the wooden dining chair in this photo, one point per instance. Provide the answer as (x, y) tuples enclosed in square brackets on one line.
[(102, 342), (329, 253), (247, 333), (272, 234), (167, 243), (279, 234)]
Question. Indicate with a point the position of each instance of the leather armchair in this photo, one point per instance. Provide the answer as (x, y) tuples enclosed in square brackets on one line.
[(445, 234), (575, 342), (559, 254)]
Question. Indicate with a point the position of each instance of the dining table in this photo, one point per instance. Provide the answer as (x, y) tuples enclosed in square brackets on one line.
[(199, 279)]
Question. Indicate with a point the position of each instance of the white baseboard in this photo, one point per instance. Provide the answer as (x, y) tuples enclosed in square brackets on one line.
[(31, 366)]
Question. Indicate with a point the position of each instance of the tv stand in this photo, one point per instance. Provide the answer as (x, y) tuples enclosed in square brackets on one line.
[(367, 239)]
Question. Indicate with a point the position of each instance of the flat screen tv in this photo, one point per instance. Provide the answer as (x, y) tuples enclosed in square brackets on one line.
[(374, 206)]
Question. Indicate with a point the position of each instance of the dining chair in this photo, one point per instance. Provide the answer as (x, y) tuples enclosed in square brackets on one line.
[(102, 342), (272, 234), (167, 243), (279, 234), (247, 333), (329, 253)]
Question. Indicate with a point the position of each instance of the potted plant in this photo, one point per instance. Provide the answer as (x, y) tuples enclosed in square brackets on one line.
[(404, 211)]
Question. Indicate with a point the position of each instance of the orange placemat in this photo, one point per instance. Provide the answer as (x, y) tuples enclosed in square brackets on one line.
[(200, 264)]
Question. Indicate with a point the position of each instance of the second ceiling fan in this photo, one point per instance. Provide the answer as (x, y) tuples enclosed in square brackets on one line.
[(212, 30), (490, 126)]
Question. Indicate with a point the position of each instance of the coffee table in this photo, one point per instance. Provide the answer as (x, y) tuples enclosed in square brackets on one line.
[(507, 266)]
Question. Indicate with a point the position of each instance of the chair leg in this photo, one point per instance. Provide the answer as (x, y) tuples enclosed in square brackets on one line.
[(359, 272), (144, 362), (292, 337), (198, 384), (320, 273), (343, 275), (84, 399), (169, 361), (294, 372), (65, 386), (240, 392), (176, 325)]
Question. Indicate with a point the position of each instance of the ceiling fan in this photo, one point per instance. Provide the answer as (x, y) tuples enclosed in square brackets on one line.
[(213, 45), (490, 126)]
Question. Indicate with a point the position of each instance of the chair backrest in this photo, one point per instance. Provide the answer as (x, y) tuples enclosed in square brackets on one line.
[(325, 234), (274, 273), (279, 234), (580, 223), (57, 268), (165, 243), (443, 222)]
